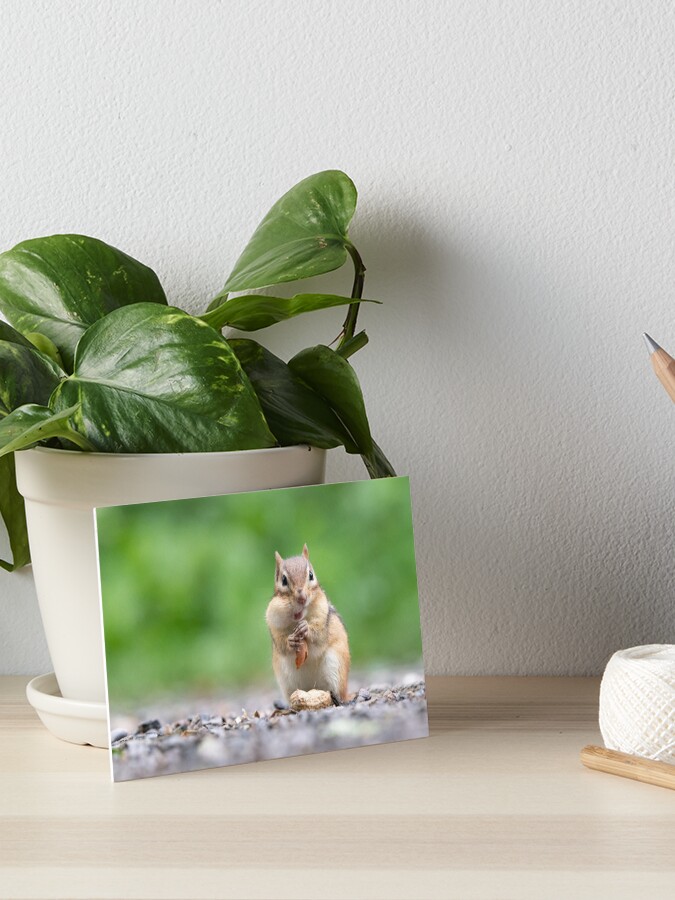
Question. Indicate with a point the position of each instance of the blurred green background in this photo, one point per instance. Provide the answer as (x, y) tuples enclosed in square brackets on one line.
[(186, 583)]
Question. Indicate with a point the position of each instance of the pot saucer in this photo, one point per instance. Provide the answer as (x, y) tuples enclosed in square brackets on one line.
[(77, 721)]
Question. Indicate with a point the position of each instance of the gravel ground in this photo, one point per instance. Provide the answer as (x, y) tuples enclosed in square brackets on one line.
[(388, 710)]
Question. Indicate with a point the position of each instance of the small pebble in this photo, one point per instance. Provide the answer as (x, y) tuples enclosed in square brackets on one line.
[(150, 725)]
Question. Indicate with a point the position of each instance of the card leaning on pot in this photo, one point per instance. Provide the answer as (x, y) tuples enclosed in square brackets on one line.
[(260, 625)]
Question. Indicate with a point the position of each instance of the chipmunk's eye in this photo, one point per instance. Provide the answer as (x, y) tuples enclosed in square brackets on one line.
[(311, 575), (284, 581)]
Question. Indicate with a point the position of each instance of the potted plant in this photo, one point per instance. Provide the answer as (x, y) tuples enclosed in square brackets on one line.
[(109, 395)]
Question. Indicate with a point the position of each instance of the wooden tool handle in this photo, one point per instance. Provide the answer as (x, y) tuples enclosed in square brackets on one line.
[(636, 767)]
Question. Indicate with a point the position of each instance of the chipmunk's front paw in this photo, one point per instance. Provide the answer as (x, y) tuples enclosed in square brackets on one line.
[(296, 639), (294, 643)]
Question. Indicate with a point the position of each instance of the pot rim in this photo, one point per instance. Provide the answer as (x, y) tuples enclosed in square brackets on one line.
[(84, 480), (211, 454)]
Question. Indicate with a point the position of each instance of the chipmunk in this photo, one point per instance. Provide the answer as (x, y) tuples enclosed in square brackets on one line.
[(298, 616)]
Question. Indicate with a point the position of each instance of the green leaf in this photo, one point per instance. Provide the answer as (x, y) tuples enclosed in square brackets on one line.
[(30, 424), (217, 301), (7, 333), (26, 375), (251, 312), (333, 378), (377, 463), (13, 514), (42, 343), (59, 285), (294, 412), (153, 379), (304, 234)]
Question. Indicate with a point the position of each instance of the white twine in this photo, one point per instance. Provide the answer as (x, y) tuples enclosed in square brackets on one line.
[(637, 702)]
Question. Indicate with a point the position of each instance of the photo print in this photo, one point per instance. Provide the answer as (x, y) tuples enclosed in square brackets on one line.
[(260, 625)]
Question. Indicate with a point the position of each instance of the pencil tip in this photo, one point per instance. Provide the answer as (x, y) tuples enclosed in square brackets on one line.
[(652, 346)]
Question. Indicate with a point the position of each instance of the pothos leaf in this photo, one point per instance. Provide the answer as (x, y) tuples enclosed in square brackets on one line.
[(13, 514), (42, 343), (377, 463), (333, 378), (303, 234), (30, 424), (250, 312), (61, 284), (25, 375), (153, 379), (294, 412)]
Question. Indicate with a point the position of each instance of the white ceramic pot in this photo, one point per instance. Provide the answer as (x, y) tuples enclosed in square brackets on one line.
[(62, 488)]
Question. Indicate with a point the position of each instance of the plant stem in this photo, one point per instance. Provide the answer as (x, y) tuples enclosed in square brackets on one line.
[(80, 441), (357, 292), (346, 348)]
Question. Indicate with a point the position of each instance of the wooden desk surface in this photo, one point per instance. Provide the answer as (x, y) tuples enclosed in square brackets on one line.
[(495, 804)]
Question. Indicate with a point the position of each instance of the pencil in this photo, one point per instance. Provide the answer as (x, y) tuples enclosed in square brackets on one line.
[(663, 365)]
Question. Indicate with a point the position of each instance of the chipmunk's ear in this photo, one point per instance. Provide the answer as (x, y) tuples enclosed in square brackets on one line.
[(278, 561), (305, 552)]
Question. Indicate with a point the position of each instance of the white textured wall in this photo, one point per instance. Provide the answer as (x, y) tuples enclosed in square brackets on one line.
[(517, 213)]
